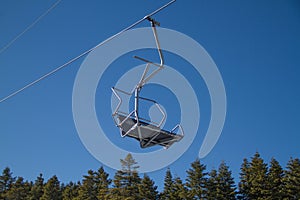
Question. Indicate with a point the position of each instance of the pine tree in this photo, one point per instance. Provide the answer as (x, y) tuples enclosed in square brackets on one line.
[(70, 191), (254, 181), (212, 185), (292, 179), (118, 189), (147, 189), (259, 180), (126, 180), (88, 189), (37, 189), (220, 184), (244, 185), (275, 182), (196, 180), (168, 186), (6, 181), (19, 190), (103, 183), (128, 164), (179, 191), (225, 183), (52, 190)]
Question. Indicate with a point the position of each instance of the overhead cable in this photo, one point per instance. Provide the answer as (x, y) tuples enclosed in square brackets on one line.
[(29, 27), (85, 53)]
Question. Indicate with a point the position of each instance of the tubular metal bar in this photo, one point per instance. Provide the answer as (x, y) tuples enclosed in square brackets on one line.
[(117, 111), (127, 117), (131, 129), (136, 104), (119, 98), (159, 108), (140, 134), (122, 91), (146, 99), (158, 45), (160, 66), (141, 118), (163, 113), (141, 82), (151, 140), (178, 126), (151, 75), (144, 78), (146, 61), (163, 143)]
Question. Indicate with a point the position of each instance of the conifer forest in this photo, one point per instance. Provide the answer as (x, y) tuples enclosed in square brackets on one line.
[(257, 180)]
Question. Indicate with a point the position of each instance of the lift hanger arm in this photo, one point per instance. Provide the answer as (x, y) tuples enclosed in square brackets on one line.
[(145, 78)]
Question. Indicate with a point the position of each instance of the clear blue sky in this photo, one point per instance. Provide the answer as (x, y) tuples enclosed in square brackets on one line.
[(255, 45)]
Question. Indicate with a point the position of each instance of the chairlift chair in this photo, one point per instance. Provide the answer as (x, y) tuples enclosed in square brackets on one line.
[(147, 132)]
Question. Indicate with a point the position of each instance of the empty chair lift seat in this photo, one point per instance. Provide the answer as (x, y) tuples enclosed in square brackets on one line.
[(148, 134)]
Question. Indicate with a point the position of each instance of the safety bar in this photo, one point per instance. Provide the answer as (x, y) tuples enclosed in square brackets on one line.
[(159, 108), (178, 126), (118, 97), (116, 111)]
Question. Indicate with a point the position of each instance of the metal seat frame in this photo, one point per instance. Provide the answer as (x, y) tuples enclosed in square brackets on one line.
[(149, 133)]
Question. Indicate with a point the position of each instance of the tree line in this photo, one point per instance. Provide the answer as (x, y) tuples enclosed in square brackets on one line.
[(258, 180)]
